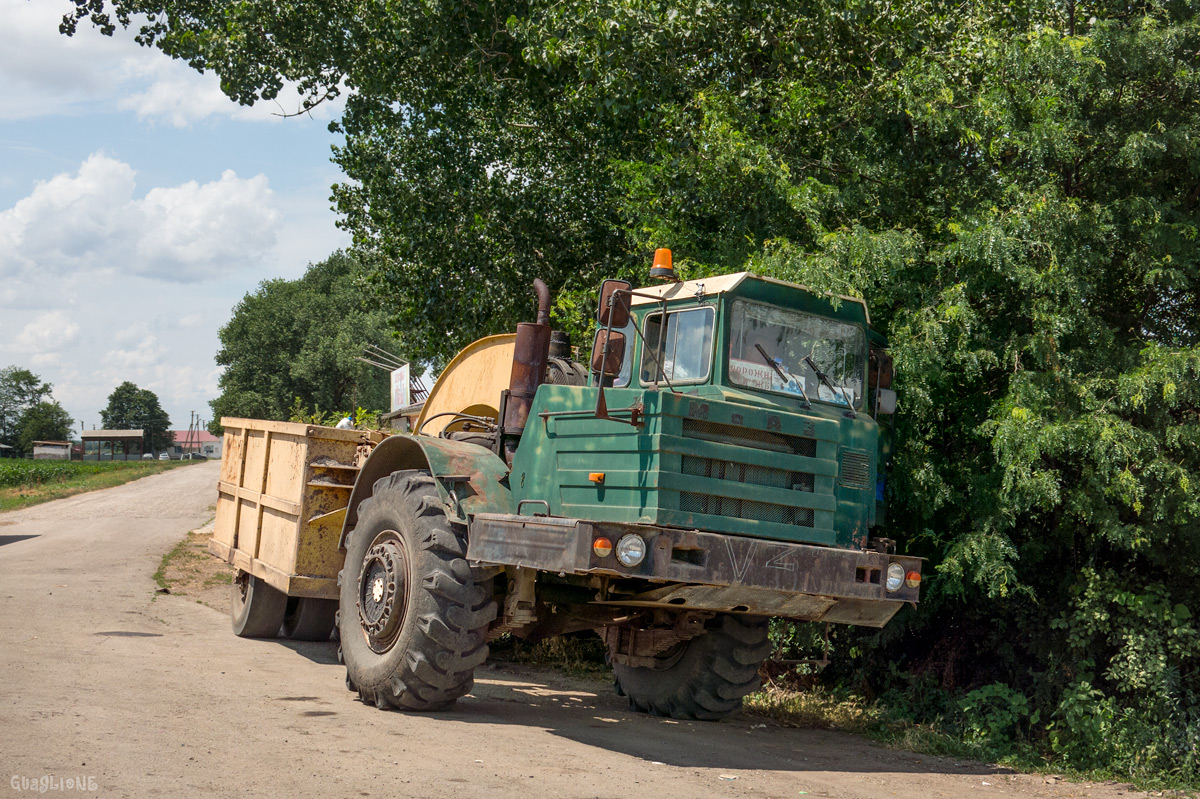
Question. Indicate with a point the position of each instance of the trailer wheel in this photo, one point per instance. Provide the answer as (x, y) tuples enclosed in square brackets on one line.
[(257, 608), (703, 678), (413, 622), (309, 619)]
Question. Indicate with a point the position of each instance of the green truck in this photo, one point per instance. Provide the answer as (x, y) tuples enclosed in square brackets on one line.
[(718, 462)]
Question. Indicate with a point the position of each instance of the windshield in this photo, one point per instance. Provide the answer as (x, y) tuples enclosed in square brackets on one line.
[(835, 348)]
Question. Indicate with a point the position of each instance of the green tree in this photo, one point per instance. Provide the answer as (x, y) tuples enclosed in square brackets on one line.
[(299, 339), (20, 390), (46, 421), (1014, 188), (133, 408)]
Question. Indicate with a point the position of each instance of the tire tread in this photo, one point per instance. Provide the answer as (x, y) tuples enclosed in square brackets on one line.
[(446, 639), (708, 683)]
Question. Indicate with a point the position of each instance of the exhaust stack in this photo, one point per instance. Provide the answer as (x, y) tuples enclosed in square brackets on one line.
[(530, 356)]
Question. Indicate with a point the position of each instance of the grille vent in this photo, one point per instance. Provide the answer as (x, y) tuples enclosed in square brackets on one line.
[(855, 470), (745, 509)]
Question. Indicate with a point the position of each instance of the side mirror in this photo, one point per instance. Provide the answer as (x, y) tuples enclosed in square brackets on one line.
[(614, 303), (886, 404), (608, 354), (879, 369)]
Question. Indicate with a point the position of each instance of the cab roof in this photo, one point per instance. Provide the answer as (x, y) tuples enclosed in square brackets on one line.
[(724, 284)]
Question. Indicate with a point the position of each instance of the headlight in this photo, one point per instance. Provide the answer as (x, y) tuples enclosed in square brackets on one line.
[(895, 577), (631, 550)]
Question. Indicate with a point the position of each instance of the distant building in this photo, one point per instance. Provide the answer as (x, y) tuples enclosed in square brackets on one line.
[(199, 441), (52, 450), (7, 452), (112, 445)]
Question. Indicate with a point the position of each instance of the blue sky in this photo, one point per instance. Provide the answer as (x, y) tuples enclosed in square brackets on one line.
[(138, 205)]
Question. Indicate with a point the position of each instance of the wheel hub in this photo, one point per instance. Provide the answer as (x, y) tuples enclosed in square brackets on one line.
[(381, 594)]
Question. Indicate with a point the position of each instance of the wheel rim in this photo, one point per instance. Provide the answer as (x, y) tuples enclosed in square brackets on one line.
[(381, 591)]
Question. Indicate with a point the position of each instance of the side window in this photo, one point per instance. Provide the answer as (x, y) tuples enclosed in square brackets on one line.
[(683, 351)]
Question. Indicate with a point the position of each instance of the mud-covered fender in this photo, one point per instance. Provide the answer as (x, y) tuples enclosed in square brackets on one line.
[(470, 478)]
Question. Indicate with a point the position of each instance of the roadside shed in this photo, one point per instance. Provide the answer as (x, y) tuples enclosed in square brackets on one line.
[(52, 450), (112, 445)]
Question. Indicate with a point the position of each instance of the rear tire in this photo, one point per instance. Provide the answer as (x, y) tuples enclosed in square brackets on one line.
[(309, 619), (413, 622), (703, 678), (257, 608)]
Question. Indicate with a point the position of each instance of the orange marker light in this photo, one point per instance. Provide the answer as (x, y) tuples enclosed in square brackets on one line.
[(663, 269), (596, 477), (602, 547), (912, 579)]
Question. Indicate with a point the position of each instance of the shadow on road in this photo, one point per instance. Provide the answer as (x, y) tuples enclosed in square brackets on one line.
[(737, 744), (12, 539), (587, 711), (323, 652)]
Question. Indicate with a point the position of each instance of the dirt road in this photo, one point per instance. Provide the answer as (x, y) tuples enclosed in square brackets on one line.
[(135, 694)]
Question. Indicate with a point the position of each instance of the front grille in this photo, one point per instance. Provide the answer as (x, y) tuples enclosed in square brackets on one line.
[(690, 502), (749, 437), (747, 473)]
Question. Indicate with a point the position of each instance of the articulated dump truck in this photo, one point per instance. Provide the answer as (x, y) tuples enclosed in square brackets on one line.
[(717, 462)]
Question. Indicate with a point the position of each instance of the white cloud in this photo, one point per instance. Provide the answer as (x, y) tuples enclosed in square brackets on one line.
[(132, 334), (199, 229), (92, 222), (48, 333), (177, 94), (46, 73), (137, 360)]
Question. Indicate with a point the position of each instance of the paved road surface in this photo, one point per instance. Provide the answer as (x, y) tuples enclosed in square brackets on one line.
[(146, 695)]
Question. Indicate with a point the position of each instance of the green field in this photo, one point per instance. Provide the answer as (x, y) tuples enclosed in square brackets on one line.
[(25, 482)]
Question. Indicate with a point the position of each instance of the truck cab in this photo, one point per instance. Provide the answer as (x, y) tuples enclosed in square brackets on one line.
[(741, 405)]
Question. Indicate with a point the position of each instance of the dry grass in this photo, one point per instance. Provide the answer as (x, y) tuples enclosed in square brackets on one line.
[(189, 569), (814, 707)]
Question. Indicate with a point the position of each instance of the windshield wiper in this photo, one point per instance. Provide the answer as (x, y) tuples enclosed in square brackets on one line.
[(786, 377), (821, 376)]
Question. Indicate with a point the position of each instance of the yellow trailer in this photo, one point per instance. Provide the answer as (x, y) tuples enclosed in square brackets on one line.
[(282, 498)]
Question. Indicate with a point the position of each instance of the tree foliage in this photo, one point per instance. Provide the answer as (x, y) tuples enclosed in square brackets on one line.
[(296, 341), (46, 421), (1013, 187), (133, 408), (20, 390)]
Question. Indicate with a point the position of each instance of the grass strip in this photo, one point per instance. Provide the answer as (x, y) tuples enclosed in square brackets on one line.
[(27, 483)]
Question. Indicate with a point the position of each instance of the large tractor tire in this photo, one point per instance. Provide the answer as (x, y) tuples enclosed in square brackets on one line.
[(256, 608), (703, 678), (309, 619), (413, 622)]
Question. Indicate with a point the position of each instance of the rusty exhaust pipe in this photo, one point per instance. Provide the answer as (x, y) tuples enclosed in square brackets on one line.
[(530, 356), (543, 295)]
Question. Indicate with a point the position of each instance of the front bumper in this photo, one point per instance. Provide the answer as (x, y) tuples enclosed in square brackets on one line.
[(694, 570)]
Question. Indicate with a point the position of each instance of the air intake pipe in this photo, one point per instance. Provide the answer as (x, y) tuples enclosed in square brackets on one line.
[(530, 356)]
